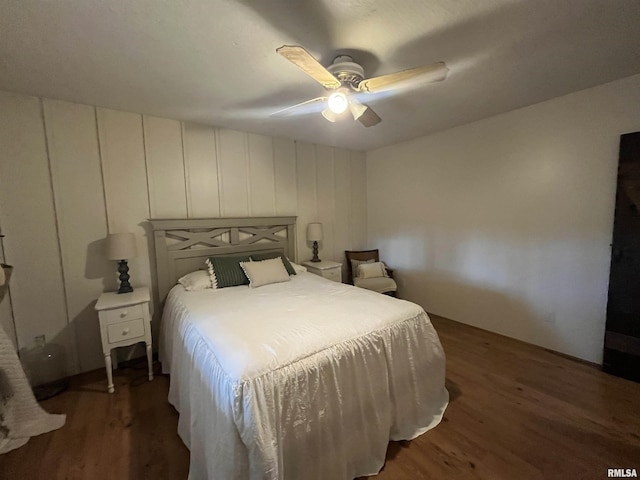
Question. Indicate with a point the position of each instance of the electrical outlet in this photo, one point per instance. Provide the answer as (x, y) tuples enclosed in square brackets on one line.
[(40, 340)]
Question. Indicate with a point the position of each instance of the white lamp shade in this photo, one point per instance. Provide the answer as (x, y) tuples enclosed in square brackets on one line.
[(121, 246), (357, 109), (329, 115), (314, 232)]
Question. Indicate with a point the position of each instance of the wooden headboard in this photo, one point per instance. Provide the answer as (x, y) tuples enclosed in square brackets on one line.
[(182, 246)]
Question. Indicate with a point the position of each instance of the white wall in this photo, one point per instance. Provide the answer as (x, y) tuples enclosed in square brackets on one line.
[(505, 223), (70, 173)]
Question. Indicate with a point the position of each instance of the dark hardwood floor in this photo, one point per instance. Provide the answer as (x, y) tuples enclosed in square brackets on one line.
[(516, 412)]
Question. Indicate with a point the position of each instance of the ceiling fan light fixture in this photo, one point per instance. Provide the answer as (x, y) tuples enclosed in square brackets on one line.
[(357, 109), (337, 103), (329, 115), (344, 78)]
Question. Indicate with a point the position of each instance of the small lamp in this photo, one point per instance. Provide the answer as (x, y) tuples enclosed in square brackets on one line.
[(314, 234), (122, 246)]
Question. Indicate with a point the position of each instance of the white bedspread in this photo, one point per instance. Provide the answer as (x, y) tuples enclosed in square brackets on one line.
[(307, 379)]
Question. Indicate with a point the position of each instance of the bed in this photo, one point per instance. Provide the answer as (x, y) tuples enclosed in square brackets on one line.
[(306, 378)]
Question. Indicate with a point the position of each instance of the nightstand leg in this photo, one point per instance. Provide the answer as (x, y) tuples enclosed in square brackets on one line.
[(107, 362), (149, 361)]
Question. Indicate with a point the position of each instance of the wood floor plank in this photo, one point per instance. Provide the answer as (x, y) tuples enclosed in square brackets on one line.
[(516, 411)]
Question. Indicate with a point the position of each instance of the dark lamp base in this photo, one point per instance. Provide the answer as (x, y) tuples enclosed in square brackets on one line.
[(125, 286), (315, 252)]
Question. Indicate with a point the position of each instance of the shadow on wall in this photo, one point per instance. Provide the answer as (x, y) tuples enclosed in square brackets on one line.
[(97, 266), (75, 348), (49, 360), (79, 343), (476, 305)]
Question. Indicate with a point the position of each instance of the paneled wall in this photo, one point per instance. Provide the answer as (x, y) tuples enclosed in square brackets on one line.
[(70, 174)]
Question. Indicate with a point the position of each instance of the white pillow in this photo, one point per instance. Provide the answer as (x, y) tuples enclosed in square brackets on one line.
[(372, 270), (265, 272), (198, 280), (355, 266), (298, 268)]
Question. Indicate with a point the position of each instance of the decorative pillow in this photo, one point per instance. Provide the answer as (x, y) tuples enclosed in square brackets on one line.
[(225, 270), (355, 264), (298, 268), (198, 280), (265, 272), (256, 257), (372, 270)]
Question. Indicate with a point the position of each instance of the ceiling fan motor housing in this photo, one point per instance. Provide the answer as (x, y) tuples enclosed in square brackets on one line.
[(347, 71)]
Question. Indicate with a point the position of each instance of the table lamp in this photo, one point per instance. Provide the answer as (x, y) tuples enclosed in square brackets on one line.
[(121, 247), (314, 234)]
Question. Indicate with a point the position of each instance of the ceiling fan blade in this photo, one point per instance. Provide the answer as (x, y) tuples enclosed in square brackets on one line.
[(369, 118), (432, 73), (290, 110), (309, 65)]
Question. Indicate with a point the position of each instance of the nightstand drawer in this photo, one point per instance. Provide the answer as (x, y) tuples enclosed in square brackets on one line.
[(334, 274), (123, 313), (117, 332)]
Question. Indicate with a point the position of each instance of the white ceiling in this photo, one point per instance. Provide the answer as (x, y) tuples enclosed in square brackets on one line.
[(214, 61)]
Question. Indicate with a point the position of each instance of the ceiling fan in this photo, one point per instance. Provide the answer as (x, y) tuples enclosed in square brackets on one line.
[(344, 78)]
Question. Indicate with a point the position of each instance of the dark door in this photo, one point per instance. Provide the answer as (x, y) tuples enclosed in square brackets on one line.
[(622, 337)]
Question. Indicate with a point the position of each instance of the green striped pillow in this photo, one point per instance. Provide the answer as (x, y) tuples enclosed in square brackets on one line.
[(225, 270)]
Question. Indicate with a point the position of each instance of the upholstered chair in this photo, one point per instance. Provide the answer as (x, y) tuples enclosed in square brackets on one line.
[(370, 277)]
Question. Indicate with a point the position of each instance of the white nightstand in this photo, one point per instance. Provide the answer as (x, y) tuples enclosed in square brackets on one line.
[(124, 320), (325, 268)]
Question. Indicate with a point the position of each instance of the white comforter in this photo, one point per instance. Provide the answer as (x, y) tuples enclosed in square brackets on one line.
[(307, 379)]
